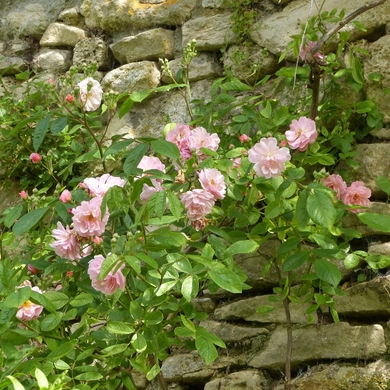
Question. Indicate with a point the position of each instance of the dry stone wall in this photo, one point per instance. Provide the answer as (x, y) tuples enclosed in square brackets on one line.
[(126, 39)]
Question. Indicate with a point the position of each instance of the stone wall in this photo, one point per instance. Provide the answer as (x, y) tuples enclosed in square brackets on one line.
[(126, 39)]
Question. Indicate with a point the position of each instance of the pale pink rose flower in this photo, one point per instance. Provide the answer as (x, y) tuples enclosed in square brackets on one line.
[(111, 282), (100, 185), (213, 181), (65, 244), (236, 162), (90, 94), (180, 136), (148, 190), (336, 183), (357, 194), (198, 203), (23, 194), (200, 138), (302, 133), (148, 163), (29, 311), (65, 196), (87, 218), (35, 157), (268, 158)]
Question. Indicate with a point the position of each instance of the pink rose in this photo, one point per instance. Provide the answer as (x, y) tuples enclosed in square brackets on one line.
[(29, 311), (200, 138), (268, 158), (302, 133), (304, 52), (23, 195), (65, 196), (90, 94), (356, 194), (198, 203), (179, 136), (148, 163), (111, 282), (336, 183), (65, 244), (87, 218), (148, 190), (69, 98), (100, 185), (213, 182), (35, 157), (243, 138)]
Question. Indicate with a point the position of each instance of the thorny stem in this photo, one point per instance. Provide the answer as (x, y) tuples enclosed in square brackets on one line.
[(315, 66)]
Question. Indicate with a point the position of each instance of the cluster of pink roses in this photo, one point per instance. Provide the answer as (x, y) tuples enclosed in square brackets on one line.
[(88, 226), (356, 194), (270, 159), (192, 140)]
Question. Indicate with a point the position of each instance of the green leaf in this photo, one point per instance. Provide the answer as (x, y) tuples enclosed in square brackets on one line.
[(384, 184), (160, 203), (190, 287), (133, 158), (320, 209), (166, 148), (169, 238), (109, 263), (138, 342), (114, 349), (175, 206), (58, 299), (295, 261), (352, 261), (327, 272), (82, 299), (378, 261), (17, 298), (41, 299), (40, 132), (13, 215), (243, 246), (116, 147), (235, 85), (153, 372), (51, 321), (265, 309), (41, 379), (58, 124), (136, 310), (273, 209), (17, 385), (89, 376), (206, 349), (225, 278), (153, 317), (166, 287), (301, 213), (379, 222), (62, 350), (359, 25), (290, 244), (357, 70), (116, 327), (28, 221)]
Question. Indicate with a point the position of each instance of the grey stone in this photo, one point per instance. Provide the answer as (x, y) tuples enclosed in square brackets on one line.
[(116, 15), (368, 299), (133, 77), (379, 249), (249, 63), (373, 162), (289, 22), (12, 65), (53, 60), (352, 220), (232, 333), (380, 51), (59, 34), (343, 377), (210, 33), (217, 4), (149, 45), (204, 304), (89, 51), (203, 66), (71, 16), (245, 380), (311, 343), (245, 309), (383, 134)]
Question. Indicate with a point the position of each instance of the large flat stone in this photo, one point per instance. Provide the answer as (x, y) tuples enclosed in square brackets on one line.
[(315, 343), (59, 34)]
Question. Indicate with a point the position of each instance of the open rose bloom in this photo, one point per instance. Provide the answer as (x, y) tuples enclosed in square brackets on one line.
[(29, 311), (198, 203), (90, 94), (213, 182), (336, 183), (111, 282), (357, 194), (100, 185), (65, 244), (302, 133), (268, 158)]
